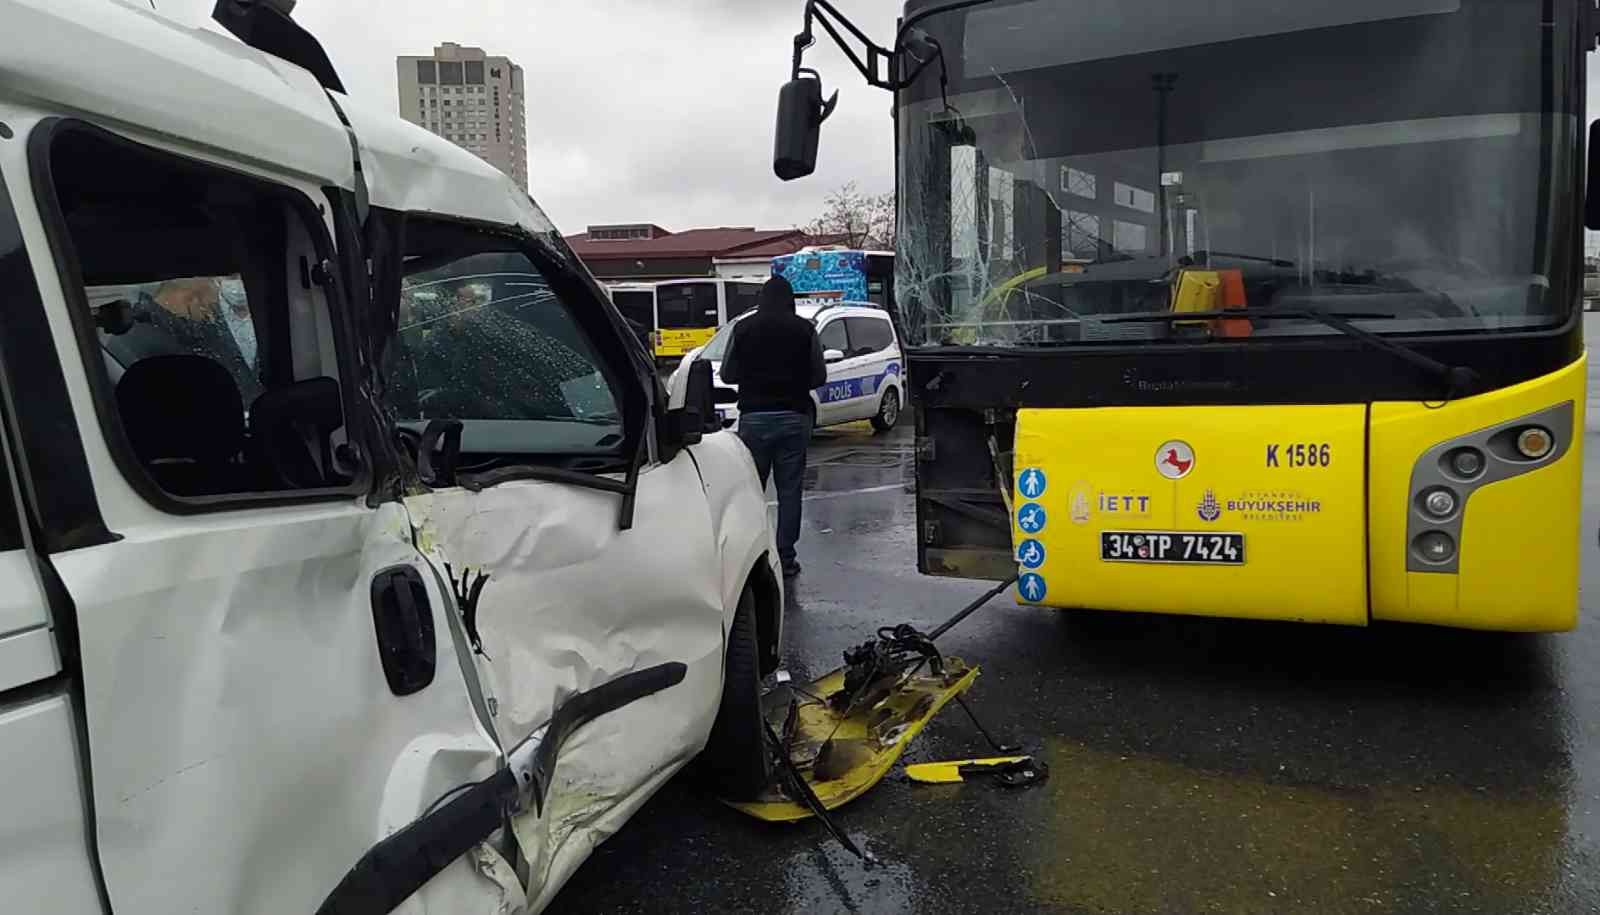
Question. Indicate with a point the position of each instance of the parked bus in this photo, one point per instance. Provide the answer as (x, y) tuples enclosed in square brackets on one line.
[(689, 311), (826, 275), (1321, 355), (637, 303)]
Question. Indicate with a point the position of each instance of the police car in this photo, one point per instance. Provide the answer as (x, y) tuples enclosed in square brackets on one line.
[(865, 374)]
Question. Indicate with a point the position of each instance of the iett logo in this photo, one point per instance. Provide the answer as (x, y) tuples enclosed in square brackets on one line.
[(1078, 505)]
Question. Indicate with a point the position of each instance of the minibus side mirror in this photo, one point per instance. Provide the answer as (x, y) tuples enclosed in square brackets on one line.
[(688, 424)]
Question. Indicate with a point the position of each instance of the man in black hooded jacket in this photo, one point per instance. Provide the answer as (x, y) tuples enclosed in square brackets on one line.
[(775, 360)]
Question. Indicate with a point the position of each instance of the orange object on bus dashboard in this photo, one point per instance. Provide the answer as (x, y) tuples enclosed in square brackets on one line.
[(1232, 298)]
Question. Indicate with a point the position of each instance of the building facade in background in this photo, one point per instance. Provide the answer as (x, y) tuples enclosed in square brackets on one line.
[(471, 98)]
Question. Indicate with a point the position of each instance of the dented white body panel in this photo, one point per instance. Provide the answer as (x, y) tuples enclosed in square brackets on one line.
[(572, 602), (137, 70), (561, 611), (411, 170), (234, 698), (744, 538)]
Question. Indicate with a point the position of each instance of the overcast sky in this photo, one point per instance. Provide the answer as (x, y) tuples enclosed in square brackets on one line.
[(641, 110), (638, 110)]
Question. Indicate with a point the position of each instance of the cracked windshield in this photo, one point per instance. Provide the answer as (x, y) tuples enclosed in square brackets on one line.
[(799, 457), (1080, 157), (483, 338)]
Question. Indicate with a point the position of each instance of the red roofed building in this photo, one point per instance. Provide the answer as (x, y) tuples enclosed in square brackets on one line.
[(644, 252)]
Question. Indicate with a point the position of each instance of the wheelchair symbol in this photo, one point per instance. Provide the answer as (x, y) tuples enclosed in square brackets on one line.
[(1031, 554)]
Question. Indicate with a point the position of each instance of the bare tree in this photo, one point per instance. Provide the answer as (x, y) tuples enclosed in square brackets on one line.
[(858, 220)]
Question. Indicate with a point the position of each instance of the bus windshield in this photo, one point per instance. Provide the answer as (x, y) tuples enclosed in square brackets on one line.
[(1409, 163), (686, 305), (638, 307)]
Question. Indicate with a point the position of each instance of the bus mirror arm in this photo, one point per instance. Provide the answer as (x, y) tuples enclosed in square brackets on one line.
[(801, 108), (825, 13), (920, 48)]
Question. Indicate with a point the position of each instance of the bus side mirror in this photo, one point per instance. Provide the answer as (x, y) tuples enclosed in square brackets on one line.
[(1591, 203), (801, 112)]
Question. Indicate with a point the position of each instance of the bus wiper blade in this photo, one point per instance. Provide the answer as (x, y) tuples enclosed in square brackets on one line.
[(1458, 379), (1158, 317), (1203, 255)]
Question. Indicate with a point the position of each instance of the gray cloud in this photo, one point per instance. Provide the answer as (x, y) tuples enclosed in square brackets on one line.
[(637, 110)]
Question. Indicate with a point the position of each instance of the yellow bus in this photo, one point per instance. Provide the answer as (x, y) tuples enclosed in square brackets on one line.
[(1243, 309), (637, 303), (689, 311)]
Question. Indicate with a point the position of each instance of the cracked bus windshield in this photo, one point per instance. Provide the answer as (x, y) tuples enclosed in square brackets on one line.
[(1083, 157)]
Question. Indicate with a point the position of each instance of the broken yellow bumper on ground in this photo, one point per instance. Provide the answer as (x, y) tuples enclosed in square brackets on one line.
[(843, 754)]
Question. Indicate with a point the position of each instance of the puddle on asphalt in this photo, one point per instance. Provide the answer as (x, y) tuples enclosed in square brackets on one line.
[(846, 460), (829, 476), (826, 879), (1138, 835)]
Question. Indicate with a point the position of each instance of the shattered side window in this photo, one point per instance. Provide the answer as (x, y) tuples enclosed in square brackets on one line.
[(207, 316), (482, 337)]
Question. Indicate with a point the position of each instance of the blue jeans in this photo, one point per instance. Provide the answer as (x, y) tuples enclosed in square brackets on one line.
[(778, 443)]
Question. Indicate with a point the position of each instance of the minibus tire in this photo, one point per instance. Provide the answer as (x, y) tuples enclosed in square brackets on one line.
[(735, 765)]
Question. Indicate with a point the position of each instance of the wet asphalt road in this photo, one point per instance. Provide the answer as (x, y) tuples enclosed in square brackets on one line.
[(1196, 765)]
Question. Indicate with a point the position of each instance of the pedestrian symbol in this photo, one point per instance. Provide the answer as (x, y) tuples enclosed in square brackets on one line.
[(1031, 587), (1031, 554), (1032, 483), (1030, 518)]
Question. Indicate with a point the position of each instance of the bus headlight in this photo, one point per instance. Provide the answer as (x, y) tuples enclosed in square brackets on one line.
[(1467, 463), (1447, 474), (1435, 546), (1440, 503), (1534, 442)]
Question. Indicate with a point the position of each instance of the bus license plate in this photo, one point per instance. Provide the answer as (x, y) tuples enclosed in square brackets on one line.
[(1172, 546)]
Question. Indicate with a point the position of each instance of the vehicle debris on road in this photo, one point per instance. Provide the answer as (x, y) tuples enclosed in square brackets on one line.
[(1006, 771), (843, 735)]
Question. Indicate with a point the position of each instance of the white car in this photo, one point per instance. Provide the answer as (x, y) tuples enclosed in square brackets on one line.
[(865, 374), (350, 557)]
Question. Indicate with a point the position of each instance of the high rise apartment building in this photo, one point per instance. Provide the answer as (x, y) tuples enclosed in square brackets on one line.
[(472, 99)]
